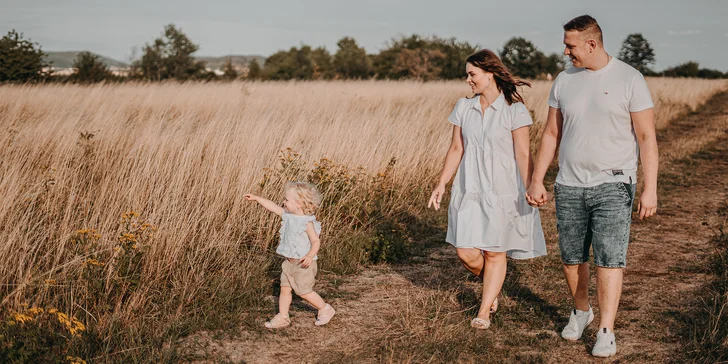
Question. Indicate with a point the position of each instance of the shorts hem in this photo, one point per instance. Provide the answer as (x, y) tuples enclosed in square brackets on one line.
[(618, 265), (574, 262)]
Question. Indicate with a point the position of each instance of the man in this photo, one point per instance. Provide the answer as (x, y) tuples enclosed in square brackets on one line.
[(601, 118)]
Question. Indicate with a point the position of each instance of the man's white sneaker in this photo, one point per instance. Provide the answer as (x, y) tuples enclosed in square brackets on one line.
[(606, 345), (578, 321)]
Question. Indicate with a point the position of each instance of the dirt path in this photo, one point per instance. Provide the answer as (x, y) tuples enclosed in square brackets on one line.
[(419, 312)]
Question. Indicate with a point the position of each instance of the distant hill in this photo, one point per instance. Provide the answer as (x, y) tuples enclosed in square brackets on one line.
[(65, 59), (238, 60)]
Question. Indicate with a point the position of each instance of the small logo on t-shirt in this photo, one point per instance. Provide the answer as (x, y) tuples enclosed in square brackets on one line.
[(606, 93), (617, 172)]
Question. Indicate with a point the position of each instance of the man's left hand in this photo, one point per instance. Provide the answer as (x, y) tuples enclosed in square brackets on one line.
[(647, 205)]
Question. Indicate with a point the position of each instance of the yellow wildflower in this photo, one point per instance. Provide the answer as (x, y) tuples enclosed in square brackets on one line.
[(22, 318), (127, 237), (50, 282), (93, 262), (35, 310), (75, 360)]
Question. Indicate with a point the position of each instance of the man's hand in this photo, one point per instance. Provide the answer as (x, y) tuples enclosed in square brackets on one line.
[(536, 195), (647, 205)]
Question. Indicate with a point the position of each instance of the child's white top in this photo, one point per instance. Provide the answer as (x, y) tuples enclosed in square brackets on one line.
[(294, 240)]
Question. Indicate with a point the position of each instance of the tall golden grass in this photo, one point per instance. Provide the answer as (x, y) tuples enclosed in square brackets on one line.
[(183, 155)]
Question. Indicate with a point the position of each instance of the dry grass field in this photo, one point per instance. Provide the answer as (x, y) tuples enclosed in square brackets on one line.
[(122, 214)]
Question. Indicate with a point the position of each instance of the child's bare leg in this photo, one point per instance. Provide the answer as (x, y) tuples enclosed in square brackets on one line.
[(314, 299), (284, 300)]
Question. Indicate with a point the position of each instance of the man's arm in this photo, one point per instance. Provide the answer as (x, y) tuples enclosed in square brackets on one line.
[(644, 128), (550, 141)]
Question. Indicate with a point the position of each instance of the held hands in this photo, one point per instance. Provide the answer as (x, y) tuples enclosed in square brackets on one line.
[(647, 205), (306, 261), (536, 195), (436, 197)]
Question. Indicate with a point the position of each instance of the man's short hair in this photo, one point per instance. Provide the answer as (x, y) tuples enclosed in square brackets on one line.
[(587, 25)]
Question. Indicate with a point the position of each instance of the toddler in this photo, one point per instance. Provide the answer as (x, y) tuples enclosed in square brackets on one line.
[(299, 244)]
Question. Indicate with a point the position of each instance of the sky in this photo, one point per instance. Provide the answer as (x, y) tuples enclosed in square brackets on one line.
[(678, 30)]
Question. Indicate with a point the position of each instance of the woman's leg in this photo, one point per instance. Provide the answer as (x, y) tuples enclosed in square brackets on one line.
[(493, 277), (472, 259)]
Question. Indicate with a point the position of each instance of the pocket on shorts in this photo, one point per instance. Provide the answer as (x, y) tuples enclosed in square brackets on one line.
[(627, 191)]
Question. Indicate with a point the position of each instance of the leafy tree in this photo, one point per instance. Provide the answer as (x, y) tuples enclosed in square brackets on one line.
[(552, 64), (299, 64), (350, 61), (524, 60), (21, 60), (452, 65), (711, 74), (383, 64), (230, 73), (323, 68), (637, 52), (170, 56), (254, 71), (89, 69), (687, 69), (421, 64)]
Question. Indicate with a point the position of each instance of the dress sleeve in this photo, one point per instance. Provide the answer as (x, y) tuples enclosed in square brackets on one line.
[(456, 115), (521, 117)]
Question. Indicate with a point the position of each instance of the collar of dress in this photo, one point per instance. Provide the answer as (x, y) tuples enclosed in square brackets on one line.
[(497, 104)]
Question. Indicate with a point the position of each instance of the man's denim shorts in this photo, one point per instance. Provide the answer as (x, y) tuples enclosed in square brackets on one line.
[(600, 216)]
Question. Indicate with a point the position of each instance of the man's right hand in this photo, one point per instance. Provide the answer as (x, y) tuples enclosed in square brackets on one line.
[(537, 195)]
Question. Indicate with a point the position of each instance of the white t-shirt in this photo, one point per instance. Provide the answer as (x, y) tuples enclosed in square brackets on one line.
[(598, 143)]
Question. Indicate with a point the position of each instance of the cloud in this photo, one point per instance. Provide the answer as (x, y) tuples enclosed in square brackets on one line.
[(686, 32)]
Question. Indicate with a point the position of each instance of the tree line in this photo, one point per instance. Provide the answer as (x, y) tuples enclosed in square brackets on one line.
[(171, 57)]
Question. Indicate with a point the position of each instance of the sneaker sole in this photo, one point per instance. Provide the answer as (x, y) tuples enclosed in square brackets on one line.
[(605, 355)]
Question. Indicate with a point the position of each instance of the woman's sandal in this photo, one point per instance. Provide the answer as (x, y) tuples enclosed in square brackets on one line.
[(479, 323)]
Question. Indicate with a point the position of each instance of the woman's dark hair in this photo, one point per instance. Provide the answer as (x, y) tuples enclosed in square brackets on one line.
[(488, 61)]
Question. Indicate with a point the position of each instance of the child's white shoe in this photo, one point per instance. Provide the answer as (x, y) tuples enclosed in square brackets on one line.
[(278, 321), (324, 315)]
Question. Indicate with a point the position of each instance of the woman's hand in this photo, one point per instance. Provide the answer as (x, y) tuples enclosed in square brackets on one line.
[(436, 197), (537, 195)]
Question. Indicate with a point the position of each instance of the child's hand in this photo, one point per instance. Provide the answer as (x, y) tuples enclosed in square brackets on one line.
[(306, 261), (250, 197)]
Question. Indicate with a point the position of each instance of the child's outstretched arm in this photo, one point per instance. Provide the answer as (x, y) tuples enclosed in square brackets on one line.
[(268, 204), (315, 245)]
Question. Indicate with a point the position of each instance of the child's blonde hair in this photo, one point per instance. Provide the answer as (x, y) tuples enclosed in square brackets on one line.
[(308, 196)]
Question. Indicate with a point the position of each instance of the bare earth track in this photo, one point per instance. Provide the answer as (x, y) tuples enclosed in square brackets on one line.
[(419, 311)]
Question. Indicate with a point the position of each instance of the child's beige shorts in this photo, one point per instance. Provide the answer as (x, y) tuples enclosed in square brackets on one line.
[(300, 279)]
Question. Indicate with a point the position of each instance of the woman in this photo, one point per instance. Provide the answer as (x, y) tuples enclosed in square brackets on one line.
[(489, 217)]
